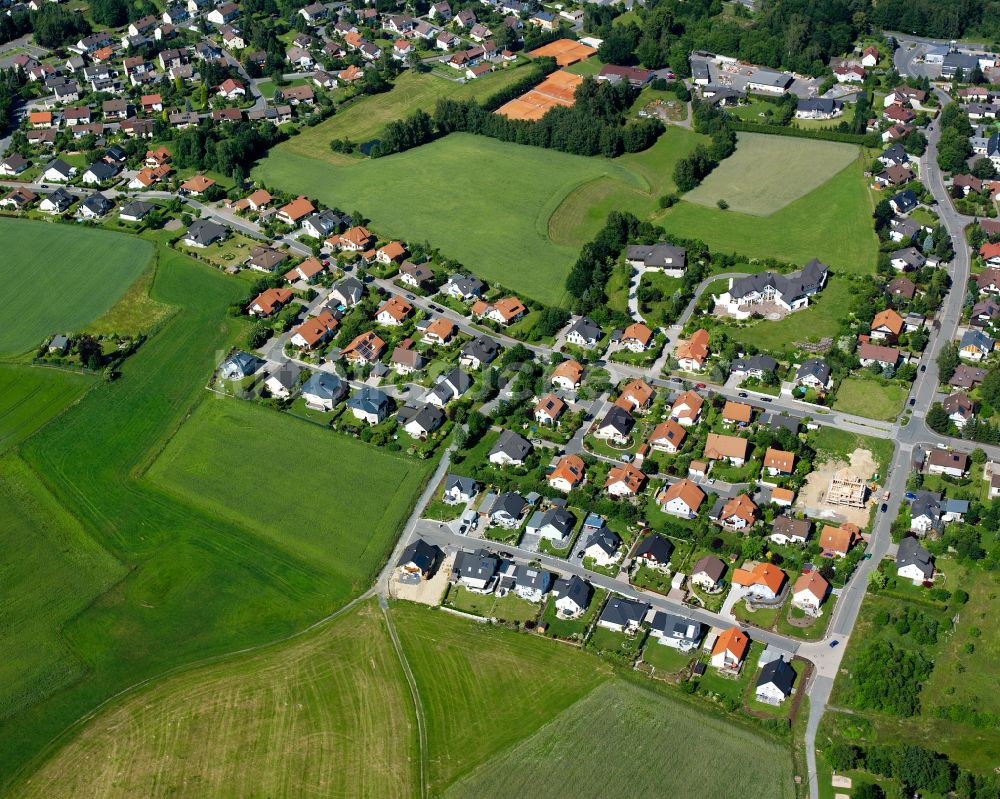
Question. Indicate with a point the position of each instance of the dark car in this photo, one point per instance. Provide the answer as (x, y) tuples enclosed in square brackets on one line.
[(436, 308), (913, 401), (833, 643), (743, 393), (767, 399), (923, 368), (884, 507), (410, 297)]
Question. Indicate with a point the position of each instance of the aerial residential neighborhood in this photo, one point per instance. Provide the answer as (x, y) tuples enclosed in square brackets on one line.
[(400, 389)]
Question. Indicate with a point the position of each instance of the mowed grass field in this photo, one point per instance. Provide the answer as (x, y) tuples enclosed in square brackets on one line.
[(364, 119), (324, 498), (31, 395), (766, 173), (327, 715), (59, 278), (833, 222), (484, 688), (629, 740), (870, 398), (483, 202), (170, 583)]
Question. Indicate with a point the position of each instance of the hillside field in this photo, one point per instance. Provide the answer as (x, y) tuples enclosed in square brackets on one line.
[(766, 173), (364, 119), (327, 715), (316, 498), (66, 276), (622, 734)]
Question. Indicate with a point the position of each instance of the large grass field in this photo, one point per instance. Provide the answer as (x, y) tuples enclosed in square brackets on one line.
[(484, 688), (30, 396), (832, 222), (364, 119), (309, 491), (327, 715), (624, 739), (194, 583), (870, 398), (60, 278), (766, 173), (484, 202)]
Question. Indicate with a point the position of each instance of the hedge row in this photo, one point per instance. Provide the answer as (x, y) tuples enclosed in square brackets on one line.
[(799, 133)]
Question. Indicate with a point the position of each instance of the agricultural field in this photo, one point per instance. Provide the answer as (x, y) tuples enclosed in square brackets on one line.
[(871, 398), (328, 714), (31, 395), (485, 688), (800, 231), (637, 746), (196, 584), (363, 120), (766, 173), (329, 517), (427, 194), (77, 274)]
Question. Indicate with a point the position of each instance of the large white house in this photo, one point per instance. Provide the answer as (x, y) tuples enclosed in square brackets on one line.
[(790, 292)]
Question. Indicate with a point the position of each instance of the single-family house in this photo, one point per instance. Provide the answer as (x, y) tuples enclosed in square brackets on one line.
[(448, 387), (584, 332), (682, 499), (886, 326), (837, 541), (602, 546), (730, 649), (730, 448), (418, 561), (568, 474), (687, 408), (810, 591), (394, 312), (567, 375), (283, 381), (814, 373), (764, 582), (548, 409), (314, 331), (510, 449), (676, 631), (204, 232), (914, 562), (737, 414), (459, 490), (654, 551), (707, 573), (572, 596), (623, 615), (479, 352), (507, 510), (239, 366), (739, 513), (667, 437), (475, 571), (555, 524), (323, 391), (942, 461), (774, 684), (692, 353), (789, 530), (624, 480), (975, 345), (370, 405), (616, 425), (419, 419)]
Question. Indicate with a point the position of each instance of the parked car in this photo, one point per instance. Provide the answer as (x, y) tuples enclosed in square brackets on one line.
[(833, 643)]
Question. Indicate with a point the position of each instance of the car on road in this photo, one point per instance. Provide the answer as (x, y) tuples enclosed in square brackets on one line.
[(437, 308), (923, 368), (700, 385), (884, 508), (506, 554), (410, 297), (743, 394), (462, 529), (834, 643), (767, 399), (913, 401)]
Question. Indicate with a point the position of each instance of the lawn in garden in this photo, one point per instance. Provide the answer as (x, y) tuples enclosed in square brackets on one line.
[(876, 399)]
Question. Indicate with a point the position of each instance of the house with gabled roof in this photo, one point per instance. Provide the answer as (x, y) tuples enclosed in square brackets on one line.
[(731, 448), (269, 301), (555, 524), (763, 582), (624, 480), (789, 530), (682, 498), (887, 325), (774, 685), (636, 396), (370, 405), (314, 331), (393, 312), (569, 473), (837, 541), (810, 591), (479, 352), (687, 408), (510, 449), (692, 353), (572, 596), (419, 419), (504, 312), (364, 349), (616, 425), (778, 463), (737, 413), (730, 649), (283, 381), (602, 546), (739, 513), (418, 561), (707, 573), (548, 409), (914, 562), (667, 437), (623, 615), (567, 375), (323, 391)]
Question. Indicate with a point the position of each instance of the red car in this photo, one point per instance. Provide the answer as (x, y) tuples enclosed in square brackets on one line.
[(700, 385)]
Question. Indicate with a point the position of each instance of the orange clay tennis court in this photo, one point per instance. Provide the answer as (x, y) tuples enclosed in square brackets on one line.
[(557, 89), (564, 51)]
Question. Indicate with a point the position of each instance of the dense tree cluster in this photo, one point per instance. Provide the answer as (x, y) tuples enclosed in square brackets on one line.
[(594, 125), (230, 149), (888, 679), (954, 148), (57, 26), (14, 25), (914, 767), (691, 170), (10, 81), (590, 273)]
